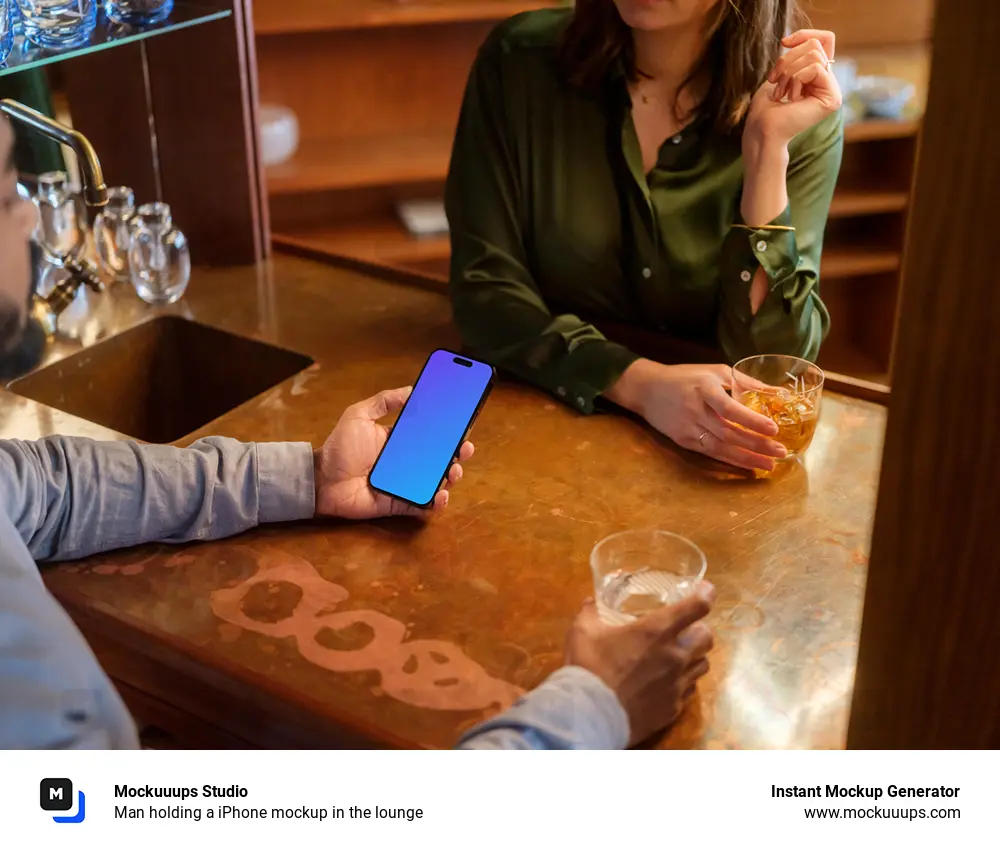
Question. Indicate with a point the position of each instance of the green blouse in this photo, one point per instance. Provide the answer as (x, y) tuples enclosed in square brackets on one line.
[(552, 217)]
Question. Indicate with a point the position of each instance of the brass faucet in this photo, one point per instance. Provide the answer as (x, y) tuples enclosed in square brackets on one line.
[(95, 195)]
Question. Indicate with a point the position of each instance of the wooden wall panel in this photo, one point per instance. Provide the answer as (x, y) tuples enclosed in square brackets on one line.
[(371, 82), (860, 23), (928, 673)]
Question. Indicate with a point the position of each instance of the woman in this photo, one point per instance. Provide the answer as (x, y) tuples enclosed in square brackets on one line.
[(668, 163)]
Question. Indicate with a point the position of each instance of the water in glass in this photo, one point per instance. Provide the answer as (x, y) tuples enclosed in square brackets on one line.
[(626, 595)]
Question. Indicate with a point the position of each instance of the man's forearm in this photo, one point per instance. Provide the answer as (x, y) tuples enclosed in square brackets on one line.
[(571, 710), (72, 497)]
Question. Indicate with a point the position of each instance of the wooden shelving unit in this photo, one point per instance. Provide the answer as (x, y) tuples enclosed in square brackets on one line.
[(880, 129), (334, 164), (382, 242), (298, 16), (377, 86), (850, 202), (852, 262)]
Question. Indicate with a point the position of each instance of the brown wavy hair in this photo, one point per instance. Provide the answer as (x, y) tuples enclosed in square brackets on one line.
[(744, 44)]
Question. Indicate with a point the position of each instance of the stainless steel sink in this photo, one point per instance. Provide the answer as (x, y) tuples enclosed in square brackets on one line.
[(161, 380)]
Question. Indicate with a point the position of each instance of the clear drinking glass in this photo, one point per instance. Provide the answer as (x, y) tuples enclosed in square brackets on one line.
[(159, 261), (59, 23), (637, 572), (60, 213), (113, 231), (6, 29), (787, 390), (137, 12)]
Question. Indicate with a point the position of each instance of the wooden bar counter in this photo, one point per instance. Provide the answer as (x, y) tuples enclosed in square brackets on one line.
[(398, 633)]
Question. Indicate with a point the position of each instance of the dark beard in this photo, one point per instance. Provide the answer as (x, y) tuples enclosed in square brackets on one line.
[(22, 341)]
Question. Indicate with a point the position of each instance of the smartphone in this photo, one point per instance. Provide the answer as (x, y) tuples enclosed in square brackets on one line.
[(447, 396)]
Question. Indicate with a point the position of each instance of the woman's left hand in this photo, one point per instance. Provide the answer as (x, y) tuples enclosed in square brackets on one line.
[(800, 91)]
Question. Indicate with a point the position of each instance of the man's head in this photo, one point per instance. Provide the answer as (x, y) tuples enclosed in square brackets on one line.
[(19, 339)]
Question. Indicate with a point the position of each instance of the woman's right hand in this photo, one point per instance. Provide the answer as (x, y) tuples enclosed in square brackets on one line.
[(691, 406)]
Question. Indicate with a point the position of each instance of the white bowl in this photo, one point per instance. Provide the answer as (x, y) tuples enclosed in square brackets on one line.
[(279, 134), (884, 97)]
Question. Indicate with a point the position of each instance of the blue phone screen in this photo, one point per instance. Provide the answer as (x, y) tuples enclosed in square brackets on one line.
[(426, 436)]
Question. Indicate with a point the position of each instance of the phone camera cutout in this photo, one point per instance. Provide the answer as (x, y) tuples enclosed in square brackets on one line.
[(466, 363)]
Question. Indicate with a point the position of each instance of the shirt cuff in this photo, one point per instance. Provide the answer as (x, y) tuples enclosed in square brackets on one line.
[(286, 483), (589, 371), (572, 709), (772, 247)]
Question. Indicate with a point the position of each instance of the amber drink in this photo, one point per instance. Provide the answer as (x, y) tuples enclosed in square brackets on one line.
[(787, 390)]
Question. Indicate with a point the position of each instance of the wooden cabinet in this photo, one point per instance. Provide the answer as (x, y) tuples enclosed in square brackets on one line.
[(863, 248), (377, 85)]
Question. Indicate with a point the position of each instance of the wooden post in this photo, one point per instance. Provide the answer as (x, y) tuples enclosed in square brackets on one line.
[(928, 673)]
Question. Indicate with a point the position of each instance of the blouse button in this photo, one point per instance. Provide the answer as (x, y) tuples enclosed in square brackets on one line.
[(647, 272), (762, 245), (677, 139), (580, 401), (561, 390), (745, 276)]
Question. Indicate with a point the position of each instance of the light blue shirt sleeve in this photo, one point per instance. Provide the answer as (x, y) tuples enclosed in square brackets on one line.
[(65, 498), (571, 710), (72, 497)]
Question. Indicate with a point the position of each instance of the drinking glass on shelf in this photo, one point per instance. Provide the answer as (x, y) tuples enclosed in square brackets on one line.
[(637, 572), (58, 23), (6, 29), (787, 390), (138, 12)]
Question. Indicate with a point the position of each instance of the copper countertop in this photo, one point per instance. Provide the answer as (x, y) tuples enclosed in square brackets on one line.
[(396, 633)]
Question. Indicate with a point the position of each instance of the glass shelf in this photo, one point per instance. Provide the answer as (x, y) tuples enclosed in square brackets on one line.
[(109, 35)]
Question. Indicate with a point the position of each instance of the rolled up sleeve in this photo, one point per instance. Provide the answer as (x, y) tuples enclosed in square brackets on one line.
[(793, 319)]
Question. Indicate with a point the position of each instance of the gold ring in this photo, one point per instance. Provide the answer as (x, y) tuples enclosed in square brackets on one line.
[(701, 439)]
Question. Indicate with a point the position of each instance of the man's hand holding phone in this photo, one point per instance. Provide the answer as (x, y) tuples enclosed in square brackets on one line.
[(349, 453)]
